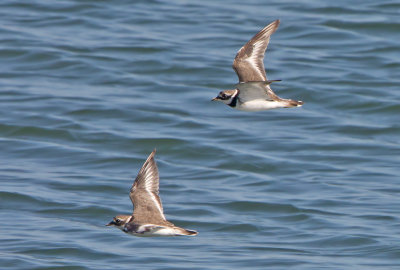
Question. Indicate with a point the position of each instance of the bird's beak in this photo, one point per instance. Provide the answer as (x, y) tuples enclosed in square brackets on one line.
[(215, 99), (112, 223)]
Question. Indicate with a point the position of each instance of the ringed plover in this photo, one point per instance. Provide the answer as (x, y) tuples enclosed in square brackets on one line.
[(253, 92), (148, 217)]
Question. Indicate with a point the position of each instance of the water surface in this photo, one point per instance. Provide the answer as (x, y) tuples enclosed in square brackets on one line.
[(89, 88)]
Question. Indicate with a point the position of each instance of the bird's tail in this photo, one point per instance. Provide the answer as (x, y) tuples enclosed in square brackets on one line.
[(294, 103), (191, 232), (187, 232)]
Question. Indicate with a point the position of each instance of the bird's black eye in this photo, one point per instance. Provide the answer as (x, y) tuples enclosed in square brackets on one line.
[(224, 96), (117, 220)]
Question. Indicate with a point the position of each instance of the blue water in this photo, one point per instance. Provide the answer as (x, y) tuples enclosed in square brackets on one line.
[(89, 88)]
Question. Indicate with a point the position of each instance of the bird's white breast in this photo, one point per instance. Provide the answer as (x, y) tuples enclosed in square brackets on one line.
[(150, 230), (259, 105)]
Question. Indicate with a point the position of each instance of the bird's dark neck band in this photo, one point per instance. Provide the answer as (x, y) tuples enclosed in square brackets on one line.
[(234, 99)]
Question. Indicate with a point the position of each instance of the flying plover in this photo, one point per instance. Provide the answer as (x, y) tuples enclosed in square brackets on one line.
[(148, 217), (253, 92)]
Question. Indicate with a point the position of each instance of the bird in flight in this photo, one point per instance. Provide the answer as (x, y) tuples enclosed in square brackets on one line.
[(148, 216), (253, 92)]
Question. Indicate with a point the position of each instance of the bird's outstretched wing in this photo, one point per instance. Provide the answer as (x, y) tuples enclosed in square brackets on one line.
[(144, 194), (249, 61)]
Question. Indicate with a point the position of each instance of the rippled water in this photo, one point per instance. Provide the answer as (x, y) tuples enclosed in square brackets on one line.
[(89, 88)]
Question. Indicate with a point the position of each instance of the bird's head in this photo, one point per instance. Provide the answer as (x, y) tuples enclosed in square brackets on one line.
[(226, 96), (119, 221)]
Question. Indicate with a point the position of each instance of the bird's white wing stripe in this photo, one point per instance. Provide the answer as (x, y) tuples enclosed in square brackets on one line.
[(148, 186), (254, 62), (148, 179), (156, 203)]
